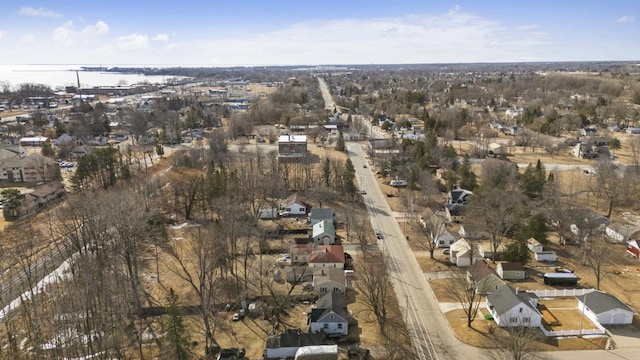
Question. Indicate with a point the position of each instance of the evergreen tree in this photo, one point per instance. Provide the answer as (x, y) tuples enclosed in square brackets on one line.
[(467, 177), (340, 146), (537, 228), (177, 338), (533, 180), (349, 177), (516, 251), (326, 171)]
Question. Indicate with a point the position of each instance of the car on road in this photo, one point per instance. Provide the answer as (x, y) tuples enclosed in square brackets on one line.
[(446, 252), (236, 317), (364, 166), (363, 192), (379, 235)]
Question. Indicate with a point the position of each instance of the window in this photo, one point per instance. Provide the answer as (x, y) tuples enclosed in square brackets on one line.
[(326, 326), (441, 242), (513, 320), (287, 209), (526, 320), (323, 289), (339, 325), (520, 310)]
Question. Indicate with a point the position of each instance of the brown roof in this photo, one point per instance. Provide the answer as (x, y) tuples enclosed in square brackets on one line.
[(327, 254), (301, 249), (512, 266), (481, 270), (295, 198), (47, 189)]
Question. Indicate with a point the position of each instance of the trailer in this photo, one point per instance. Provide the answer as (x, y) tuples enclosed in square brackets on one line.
[(560, 278)]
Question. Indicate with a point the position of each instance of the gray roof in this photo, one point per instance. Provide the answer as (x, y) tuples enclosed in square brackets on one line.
[(505, 299), (293, 338), (330, 302), (321, 214), (600, 302)]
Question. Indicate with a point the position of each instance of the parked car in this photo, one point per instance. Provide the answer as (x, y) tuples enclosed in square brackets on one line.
[(363, 192), (236, 317), (379, 235), (446, 252)]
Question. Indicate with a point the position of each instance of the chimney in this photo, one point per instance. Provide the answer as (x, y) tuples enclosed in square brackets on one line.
[(517, 291)]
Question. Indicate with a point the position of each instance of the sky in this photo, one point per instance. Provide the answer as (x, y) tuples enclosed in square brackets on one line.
[(279, 32)]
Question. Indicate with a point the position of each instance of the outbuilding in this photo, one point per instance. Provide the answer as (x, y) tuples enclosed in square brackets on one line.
[(511, 271), (605, 309)]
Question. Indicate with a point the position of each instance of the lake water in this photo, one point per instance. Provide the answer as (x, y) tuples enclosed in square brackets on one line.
[(59, 76)]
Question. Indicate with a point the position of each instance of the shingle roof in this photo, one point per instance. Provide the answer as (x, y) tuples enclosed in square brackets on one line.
[(294, 338), (330, 302), (600, 302), (505, 299), (512, 266), (481, 270), (327, 254)]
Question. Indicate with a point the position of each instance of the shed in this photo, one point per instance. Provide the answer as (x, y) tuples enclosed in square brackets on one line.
[(511, 271), (322, 352), (633, 248)]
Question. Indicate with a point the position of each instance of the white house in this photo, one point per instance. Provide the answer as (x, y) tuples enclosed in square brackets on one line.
[(511, 307), (446, 239), (605, 309), (324, 233), (538, 251), (621, 233), (458, 196), (461, 254), (327, 256), (330, 315), (294, 205)]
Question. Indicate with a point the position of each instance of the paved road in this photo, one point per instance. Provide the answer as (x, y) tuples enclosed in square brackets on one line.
[(430, 333), (329, 104)]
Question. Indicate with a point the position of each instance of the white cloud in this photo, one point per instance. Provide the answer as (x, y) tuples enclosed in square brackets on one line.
[(451, 37), (28, 37), (161, 37), (132, 42), (627, 19), (3, 34), (66, 34), (30, 11), (528, 27)]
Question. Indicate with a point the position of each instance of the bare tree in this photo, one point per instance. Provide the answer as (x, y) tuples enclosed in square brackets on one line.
[(609, 182), (464, 290), (598, 252), (515, 343), (432, 227), (374, 283)]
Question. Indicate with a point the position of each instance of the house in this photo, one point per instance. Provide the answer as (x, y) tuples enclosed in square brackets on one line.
[(511, 307), (446, 239), (330, 315), (454, 212), (285, 345), (294, 205), (79, 151), (63, 139), (534, 245), (620, 233), (324, 233), (292, 146), (317, 215), (319, 352), (605, 309), (9, 151), (327, 256), (462, 254), (586, 220), (45, 194), (511, 271), (33, 168), (484, 278), (326, 280), (458, 196), (472, 231), (485, 250), (589, 131), (633, 248), (300, 253)]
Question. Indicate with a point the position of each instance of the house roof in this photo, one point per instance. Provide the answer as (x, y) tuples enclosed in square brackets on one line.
[(324, 227), (301, 249), (511, 266), (47, 189), (634, 243), (327, 254), (330, 302), (623, 229), (460, 245), (600, 302), (321, 214), (329, 274), (455, 209), (481, 270), (294, 198), (506, 298), (294, 338), (456, 194)]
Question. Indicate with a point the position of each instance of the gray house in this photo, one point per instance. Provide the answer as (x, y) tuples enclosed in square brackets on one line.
[(317, 215), (330, 315), (285, 345)]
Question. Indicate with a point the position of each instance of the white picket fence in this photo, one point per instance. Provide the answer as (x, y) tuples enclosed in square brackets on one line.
[(599, 331), (560, 292)]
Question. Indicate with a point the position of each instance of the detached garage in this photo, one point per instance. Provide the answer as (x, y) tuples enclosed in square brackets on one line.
[(605, 309)]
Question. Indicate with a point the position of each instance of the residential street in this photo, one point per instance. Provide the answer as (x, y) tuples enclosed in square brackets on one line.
[(430, 332)]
